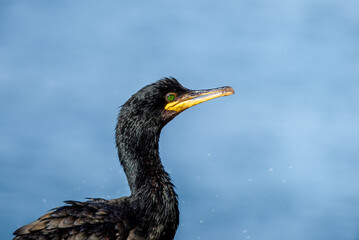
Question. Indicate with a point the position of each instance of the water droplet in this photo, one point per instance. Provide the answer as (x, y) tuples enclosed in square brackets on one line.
[(284, 180), (44, 200), (271, 169)]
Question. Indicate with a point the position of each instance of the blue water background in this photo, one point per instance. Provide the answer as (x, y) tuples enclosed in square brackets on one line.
[(278, 160)]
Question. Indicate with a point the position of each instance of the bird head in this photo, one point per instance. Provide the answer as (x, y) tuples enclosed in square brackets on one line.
[(161, 101)]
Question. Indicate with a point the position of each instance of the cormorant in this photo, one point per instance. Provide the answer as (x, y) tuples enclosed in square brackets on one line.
[(151, 211)]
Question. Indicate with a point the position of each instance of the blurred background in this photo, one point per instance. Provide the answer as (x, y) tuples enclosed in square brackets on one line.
[(277, 160)]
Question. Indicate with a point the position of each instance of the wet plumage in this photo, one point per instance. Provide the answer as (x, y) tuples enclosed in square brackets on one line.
[(151, 211)]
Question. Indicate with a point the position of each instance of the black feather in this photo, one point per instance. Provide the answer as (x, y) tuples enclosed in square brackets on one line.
[(151, 212)]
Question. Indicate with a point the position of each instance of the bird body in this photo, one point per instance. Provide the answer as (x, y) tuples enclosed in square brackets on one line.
[(151, 211)]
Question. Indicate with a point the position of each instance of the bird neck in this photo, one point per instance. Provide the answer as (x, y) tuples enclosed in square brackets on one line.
[(152, 193), (138, 152)]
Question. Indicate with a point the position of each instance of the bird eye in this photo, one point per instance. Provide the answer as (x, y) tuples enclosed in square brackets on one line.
[(170, 97)]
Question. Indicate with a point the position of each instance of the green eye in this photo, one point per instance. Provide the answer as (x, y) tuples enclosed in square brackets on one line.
[(170, 97)]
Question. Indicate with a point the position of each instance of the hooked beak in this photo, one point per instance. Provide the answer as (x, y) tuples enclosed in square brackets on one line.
[(195, 97)]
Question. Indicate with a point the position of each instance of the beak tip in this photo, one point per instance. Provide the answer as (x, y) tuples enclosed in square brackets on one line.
[(229, 90)]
